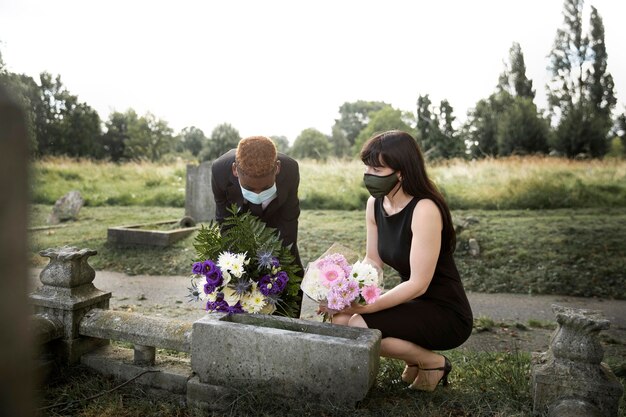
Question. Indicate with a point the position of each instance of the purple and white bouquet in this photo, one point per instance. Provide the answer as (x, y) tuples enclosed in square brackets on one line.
[(243, 267)]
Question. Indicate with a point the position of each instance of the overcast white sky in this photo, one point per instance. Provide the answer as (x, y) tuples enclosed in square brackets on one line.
[(277, 67)]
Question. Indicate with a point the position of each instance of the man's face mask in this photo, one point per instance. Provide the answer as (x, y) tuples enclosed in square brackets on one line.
[(380, 186), (258, 198)]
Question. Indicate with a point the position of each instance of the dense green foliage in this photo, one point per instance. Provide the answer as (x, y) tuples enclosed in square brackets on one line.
[(223, 138), (311, 143), (581, 93), (435, 133)]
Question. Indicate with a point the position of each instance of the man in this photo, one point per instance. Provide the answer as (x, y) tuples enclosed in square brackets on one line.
[(259, 179)]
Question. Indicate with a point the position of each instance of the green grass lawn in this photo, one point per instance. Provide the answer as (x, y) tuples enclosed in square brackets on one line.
[(482, 384), (565, 251)]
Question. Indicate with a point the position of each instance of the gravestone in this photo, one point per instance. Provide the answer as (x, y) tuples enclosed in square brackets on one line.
[(66, 208), (199, 201), (293, 358), (16, 376), (570, 379)]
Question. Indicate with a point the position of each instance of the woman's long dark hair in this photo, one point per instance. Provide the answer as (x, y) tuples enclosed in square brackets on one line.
[(399, 150)]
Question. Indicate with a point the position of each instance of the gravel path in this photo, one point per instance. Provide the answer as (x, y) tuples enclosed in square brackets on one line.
[(165, 296)]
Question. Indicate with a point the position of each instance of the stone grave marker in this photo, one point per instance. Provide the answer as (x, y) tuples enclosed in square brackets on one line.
[(66, 208)]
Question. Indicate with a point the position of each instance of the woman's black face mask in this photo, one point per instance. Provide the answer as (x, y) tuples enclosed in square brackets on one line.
[(380, 186)]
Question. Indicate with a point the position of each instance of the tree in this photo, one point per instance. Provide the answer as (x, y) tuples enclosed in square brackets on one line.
[(481, 129), (520, 130), (224, 137), (449, 143), (355, 116), (192, 139), (508, 121), (340, 145), (435, 132), (514, 80), (580, 94), (148, 137), (63, 125), (385, 119), (424, 121), (311, 143), (282, 143), (82, 128), (113, 142), (25, 91)]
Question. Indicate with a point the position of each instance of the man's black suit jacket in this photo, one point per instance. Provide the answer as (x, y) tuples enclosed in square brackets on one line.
[(282, 213)]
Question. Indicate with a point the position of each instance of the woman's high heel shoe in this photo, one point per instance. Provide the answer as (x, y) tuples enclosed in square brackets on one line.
[(424, 384), (406, 374)]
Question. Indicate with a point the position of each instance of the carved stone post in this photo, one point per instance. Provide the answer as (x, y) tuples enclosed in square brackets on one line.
[(571, 379), (67, 295)]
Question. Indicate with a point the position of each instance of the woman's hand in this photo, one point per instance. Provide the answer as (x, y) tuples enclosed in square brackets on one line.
[(355, 308)]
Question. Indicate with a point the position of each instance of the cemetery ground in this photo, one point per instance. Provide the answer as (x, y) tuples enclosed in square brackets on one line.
[(563, 252)]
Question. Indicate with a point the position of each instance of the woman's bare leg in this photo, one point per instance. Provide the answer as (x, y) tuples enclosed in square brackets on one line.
[(410, 353)]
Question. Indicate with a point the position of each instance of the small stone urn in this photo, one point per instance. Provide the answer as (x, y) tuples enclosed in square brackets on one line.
[(68, 269), (571, 379), (66, 295)]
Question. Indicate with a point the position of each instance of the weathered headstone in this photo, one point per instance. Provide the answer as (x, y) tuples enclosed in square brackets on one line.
[(199, 201), (66, 208), (16, 384), (571, 380)]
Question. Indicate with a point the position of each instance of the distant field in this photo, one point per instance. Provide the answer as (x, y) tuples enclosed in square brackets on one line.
[(506, 183)]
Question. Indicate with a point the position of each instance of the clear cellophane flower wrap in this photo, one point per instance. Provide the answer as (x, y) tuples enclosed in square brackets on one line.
[(338, 278)]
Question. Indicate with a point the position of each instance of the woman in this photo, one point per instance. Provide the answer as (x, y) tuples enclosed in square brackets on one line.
[(409, 227)]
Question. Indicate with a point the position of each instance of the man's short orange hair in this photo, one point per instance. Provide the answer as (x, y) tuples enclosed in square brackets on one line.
[(256, 156)]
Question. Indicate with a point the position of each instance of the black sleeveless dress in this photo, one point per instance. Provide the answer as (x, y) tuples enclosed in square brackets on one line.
[(439, 319)]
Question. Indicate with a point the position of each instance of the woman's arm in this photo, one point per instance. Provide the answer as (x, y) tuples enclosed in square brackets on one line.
[(371, 245), (426, 226)]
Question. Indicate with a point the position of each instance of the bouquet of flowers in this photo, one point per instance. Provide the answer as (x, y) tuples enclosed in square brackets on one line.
[(333, 280), (243, 267)]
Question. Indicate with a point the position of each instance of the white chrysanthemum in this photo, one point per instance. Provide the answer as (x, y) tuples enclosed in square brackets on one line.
[(237, 269), (232, 262), (230, 296), (312, 284), (254, 302), (225, 260), (365, 273)]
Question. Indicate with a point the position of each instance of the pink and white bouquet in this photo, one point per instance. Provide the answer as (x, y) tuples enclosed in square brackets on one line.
[(333, 280)]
